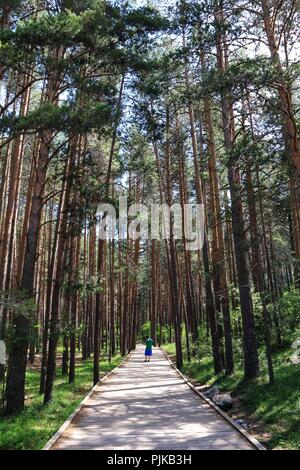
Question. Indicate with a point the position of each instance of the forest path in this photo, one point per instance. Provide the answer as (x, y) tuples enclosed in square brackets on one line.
[(148, 406)]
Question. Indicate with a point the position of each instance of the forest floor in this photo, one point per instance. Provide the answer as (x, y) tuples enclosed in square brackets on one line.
[(31, 429), (272, 412)]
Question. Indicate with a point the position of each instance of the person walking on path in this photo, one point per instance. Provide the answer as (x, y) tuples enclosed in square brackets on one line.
[(148, 350)]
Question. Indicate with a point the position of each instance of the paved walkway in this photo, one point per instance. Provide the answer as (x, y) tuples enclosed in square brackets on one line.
[(148, 406)]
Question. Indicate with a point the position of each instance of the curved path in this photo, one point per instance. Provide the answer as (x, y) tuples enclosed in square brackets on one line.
[(148, 406)]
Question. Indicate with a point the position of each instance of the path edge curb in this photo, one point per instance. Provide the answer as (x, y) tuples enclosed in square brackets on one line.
[(253, 441), (77, 410)]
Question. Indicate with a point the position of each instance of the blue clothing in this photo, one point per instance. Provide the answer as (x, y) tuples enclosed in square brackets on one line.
[(149, 344)]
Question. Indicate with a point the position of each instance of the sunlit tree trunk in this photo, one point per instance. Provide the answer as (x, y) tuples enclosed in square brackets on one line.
[(251, 364), (291, 131), (58, 274)]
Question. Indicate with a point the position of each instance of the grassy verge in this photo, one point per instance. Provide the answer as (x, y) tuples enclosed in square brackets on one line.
[(272, 410), (37, 423)]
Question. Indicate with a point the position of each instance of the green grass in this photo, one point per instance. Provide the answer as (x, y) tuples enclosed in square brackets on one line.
[(32, 428), (275, 407)]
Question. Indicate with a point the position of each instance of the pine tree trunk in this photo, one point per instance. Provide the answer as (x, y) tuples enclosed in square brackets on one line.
[(210, 303), (190, 312), (153, 292), (101, 248), (218, 253), (74, 259), (173, 278), (15, 386), (112, 340), (13, 196)]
